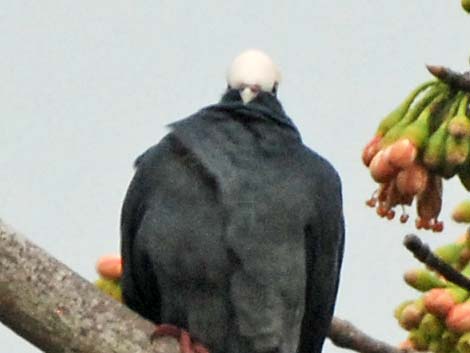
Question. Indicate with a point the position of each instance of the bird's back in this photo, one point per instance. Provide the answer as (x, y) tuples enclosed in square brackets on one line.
[(213, 228)]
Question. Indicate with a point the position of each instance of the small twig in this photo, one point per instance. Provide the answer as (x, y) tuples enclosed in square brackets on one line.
[(454, 79), (345, 335), (424, 254)]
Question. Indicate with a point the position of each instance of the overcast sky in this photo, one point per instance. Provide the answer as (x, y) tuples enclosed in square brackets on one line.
[(88, 85)]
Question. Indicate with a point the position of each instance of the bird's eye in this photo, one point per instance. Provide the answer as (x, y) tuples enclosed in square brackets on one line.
[(274, 90)]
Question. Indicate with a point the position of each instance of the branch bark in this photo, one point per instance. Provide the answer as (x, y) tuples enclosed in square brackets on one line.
[(58, 311), (345, 335), (423, 253), (454, 79)]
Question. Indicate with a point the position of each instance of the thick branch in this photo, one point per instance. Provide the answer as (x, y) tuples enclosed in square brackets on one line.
[(58, 311), (454, 79), (424, 254)]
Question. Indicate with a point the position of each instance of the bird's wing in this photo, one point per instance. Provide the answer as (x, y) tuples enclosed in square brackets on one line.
[(170, 224), (324, 253), (132, 213)]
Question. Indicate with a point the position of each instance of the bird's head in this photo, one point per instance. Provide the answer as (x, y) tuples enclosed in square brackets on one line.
[(252, 72)]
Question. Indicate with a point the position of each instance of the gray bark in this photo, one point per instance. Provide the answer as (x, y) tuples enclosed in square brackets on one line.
[(58, 311)]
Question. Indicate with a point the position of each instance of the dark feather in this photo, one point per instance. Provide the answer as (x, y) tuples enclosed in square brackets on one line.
[(233, 229)]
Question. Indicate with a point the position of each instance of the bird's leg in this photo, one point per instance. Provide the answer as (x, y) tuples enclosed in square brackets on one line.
[(187, 343)]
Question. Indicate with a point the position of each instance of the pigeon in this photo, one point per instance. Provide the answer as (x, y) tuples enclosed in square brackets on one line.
[(232, 230)]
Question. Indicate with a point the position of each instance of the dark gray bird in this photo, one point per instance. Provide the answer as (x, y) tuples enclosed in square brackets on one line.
[(232, 228)]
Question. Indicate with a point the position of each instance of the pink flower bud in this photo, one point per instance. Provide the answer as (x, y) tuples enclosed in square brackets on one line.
[(380, 168), (109, 266), (411, 316), (438, 301), (406, 344), (458, 319), (401, 154), (371, 150), (412, 180)]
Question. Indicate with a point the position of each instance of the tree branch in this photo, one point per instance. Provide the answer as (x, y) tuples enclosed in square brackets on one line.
[(345, 335), (424, 254), (58, 311), (452, 78)]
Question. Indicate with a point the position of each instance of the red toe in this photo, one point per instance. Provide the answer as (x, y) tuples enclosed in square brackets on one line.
[(199, 348), (187, 344), (167, 330)]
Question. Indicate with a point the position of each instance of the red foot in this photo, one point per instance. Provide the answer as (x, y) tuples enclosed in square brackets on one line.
[(187, 344)]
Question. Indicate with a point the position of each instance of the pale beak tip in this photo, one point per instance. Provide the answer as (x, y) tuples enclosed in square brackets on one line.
[(247, 95)]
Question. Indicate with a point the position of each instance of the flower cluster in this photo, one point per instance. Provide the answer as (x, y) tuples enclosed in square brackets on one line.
[(425, 139)]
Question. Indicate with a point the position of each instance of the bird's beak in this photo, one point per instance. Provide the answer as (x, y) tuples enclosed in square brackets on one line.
[(248, 94)]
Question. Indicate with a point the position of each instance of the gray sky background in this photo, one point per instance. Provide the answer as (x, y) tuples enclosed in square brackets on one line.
[(86, 86)]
